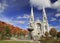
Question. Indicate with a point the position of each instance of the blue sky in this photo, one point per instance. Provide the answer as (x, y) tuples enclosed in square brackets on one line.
[(17, 12)]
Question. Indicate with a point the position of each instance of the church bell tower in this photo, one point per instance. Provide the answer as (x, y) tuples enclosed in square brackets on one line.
[(31, 24), (45, 22), (31, 21)]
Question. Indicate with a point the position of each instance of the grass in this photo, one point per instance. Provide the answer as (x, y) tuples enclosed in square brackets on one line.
[(43, 40), (14, 42), (50, 40)]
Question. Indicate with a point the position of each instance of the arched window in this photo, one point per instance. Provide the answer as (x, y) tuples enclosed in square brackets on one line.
[(44, 18), (39, 26), (31, 19), (46, 27)]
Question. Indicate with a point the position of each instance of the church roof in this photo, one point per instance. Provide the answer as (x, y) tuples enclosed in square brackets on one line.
[(38, 20)]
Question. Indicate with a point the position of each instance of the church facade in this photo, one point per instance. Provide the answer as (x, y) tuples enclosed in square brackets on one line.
[(39, 27)]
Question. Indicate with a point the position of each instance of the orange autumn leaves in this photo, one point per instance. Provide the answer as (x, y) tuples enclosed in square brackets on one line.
[(12, 29)]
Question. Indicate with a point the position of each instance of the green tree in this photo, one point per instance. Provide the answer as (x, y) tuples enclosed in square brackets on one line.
[(6, 32), (22, 35), (0, 35), (53, 32)]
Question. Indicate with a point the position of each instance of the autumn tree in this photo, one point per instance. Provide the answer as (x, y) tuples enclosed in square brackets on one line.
[(46, 34), (53, 32), (6, 32), (58, 34), (1, 33), (22, 34)]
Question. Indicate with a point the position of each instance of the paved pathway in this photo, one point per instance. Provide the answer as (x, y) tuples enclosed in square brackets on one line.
[(15, 39)]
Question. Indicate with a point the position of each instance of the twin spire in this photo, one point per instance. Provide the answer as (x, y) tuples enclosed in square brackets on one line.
[(32, 11), (44, 15), (44, 21), (32, 15)]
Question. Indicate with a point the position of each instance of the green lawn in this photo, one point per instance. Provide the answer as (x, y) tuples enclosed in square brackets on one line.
[(14, 42), (51, 40)]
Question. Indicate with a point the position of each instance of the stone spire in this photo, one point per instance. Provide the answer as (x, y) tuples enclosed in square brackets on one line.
[(32, 15), (31, 24), (31, 21), (45, 21), (44, 15)]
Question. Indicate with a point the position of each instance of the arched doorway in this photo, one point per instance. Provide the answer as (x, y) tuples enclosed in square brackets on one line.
[(39, 26)]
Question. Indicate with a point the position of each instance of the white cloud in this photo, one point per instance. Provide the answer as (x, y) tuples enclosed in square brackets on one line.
[(53, 19), (20, 22), (56, 5), (11, 21), (57, 27), (7, 20), (40, 3), (59, 20), (51, 27), (24, 16), (3, 6), (19, 17), (57, 15)]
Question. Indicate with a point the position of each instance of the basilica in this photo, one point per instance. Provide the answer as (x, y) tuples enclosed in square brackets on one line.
[(39, 27)]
